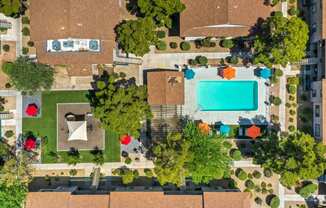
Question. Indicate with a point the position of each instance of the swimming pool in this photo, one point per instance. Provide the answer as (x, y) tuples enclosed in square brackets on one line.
[(227, 95)]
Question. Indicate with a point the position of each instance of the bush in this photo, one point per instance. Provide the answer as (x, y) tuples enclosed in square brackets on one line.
[(268, 172), (185, 46), (25, 51), (7, 85), (173, 45), (25, 31), (291, 98), (249, 184), (275, 202), (291, 120), (256, 174), (274, 79), (258, 200), (288, 105), (293, 11), (227, 43), (307, 190), (232, 59), (30, 43), (292, 89), (275, 100), (250, 176), (257, 189), (202, 60), (5, 48), (25, 20), (9, 133), (275, 118), (293, 81), (292, 112), (161, 45), (148, 172), (160, 34), (278, 72), (128, 160), (291, 128), (212, 44), (73, 172), (235, 154), (192, 62), (241, 174), (206, 42), (227, 145)]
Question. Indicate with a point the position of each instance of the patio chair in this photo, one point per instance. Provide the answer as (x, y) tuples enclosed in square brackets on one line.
[(241, 132)]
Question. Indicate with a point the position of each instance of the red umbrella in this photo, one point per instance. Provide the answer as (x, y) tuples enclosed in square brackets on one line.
[(253, 132), (30, 143), (32, 110), (125, 139)]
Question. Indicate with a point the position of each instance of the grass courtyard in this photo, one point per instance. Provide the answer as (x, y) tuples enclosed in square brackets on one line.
[(46, 126)]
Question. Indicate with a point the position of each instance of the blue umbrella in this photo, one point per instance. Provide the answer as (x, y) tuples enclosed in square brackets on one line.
[(189, 74), (225, 129), (265, 73)]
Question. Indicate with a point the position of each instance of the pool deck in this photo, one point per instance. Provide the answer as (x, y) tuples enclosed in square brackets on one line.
[(259, 116)]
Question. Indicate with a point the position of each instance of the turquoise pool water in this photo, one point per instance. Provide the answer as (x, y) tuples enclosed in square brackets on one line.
[(227, 95)]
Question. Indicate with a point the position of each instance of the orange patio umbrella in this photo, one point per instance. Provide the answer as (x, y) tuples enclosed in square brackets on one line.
[(204, 128), (253, 132), (228, 73)]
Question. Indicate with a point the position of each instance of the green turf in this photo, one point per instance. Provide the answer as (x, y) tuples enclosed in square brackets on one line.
[(46, 126)]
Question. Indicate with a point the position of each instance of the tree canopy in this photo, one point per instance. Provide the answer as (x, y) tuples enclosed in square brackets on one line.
[(12, 8), (295, 157), (281, 40), (12, 196), (120, 105), (191, 153), (160, 10), (136, 36), (29, 76)]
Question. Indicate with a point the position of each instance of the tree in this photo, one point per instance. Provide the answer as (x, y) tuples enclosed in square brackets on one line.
[(12, 8), (136, 36), (275, 202), (120, 105), (295, 157), (127, 175), (29, 76), (307, 190), (209, 156), (281, 41), (160, 10), (12, 196), (170, 157), (227, 43)]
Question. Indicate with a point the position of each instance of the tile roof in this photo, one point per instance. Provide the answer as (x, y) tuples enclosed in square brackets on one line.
[(215, 17), (60, 19), (323, 19), (165, 87), (227, 200), (323, 114)]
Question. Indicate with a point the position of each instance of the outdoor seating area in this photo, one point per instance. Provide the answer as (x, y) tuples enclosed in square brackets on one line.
[(73, 45)]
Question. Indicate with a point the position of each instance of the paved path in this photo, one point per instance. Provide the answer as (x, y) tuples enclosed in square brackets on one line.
[(244, 164), (281, 192), (293, 197), (284, 8)]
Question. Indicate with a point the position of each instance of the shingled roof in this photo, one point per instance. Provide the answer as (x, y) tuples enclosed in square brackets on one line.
[(84, 19), (218, 18)]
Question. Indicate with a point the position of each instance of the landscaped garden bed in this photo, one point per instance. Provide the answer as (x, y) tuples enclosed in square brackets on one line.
[(46, 128)]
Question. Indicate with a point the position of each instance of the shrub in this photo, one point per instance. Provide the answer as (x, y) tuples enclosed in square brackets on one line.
[(161, 45), (227, 145), (264, 191), (192, 62), (148, 172), (257, 189), (185, 46), (235, 154), (227, 43), (274, 79), (292, 112), (274, 118), (291, 98), (9, 133), (25, 20), (291, 128), (73, 172), (275, 100), (232, 59), (293, 11), (268, 172), (25, 31), (212, 44), (307, 190), (275, 202), (202, 60), (160, 34), (30, 43), (293, 81), (173, 45), (291, 120), (258, 200), (25, 51), (256, 174), (128, 160), (270, 191), (7, 85), (241, 174), (249, 184), (292, 89), (278, 72), (250, 176), (5, 48)]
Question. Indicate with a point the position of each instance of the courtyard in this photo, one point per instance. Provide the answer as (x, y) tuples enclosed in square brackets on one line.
[(46, 128)]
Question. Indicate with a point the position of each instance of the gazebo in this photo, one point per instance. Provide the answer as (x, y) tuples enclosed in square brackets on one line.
[(253, 132), (228, 73), (125, 139), (32, 110), (77, 130)]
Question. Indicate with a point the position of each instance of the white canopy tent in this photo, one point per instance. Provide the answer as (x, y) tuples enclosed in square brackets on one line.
[(77, 130)]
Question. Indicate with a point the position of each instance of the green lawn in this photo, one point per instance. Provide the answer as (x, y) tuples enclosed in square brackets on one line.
[(46, 126)]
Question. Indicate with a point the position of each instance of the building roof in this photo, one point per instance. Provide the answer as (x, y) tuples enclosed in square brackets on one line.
[(165, 88), (323, 20), (138, 200), (218, 18), (84, 19), (323, 112)]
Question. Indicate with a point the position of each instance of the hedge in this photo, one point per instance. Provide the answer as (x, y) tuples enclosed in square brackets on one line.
[(307, 190), (185, 46)]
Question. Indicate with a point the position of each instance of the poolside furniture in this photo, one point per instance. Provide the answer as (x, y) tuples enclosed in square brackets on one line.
[(225, 130), (30, 143), (125, 139), (32, 110), (265, 73), (189, 74), (253, 132), (228, 73)]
